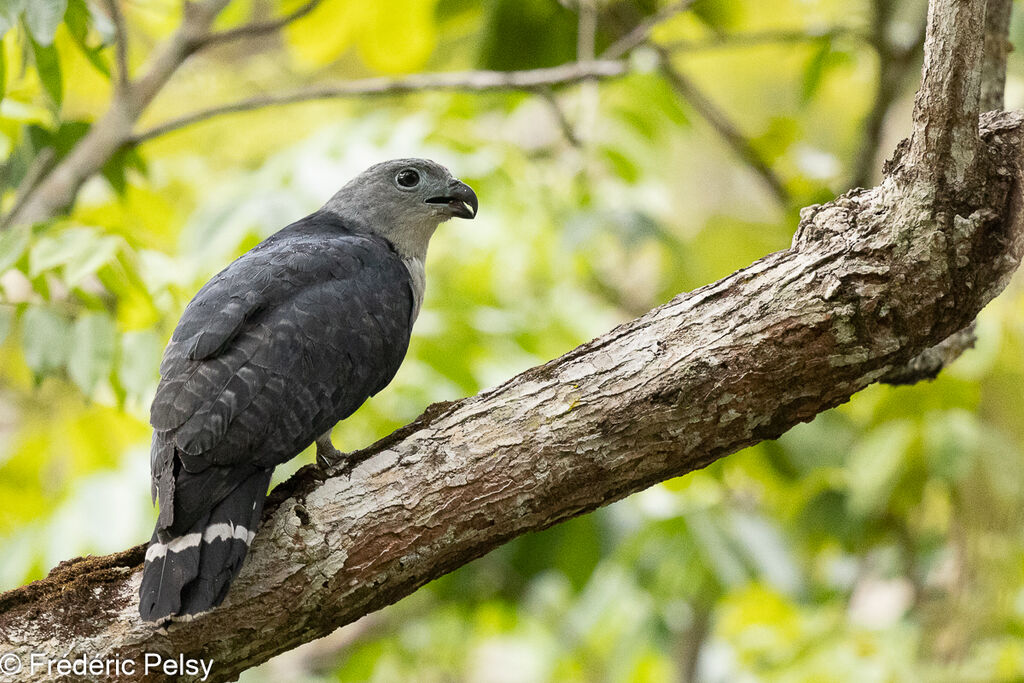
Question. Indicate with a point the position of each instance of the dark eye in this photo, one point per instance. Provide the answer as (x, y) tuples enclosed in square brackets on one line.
[(407, 178)]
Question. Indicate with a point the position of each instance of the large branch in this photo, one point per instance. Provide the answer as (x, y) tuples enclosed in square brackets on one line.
[(872, 279), (993, 81)]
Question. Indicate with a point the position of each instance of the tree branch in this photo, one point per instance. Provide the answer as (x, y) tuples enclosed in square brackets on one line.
[(39, 167), (641, 33), (120, 44), (944, 145), (755, 39), (930, 362), (586, 51), (997, 47), (464, 81), (722, 125), (258, 29), (894, 66)]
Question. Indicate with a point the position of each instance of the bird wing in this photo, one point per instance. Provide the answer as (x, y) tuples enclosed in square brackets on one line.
[(279, 346)]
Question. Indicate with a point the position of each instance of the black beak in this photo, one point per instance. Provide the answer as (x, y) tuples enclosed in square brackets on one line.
[(460, 200)]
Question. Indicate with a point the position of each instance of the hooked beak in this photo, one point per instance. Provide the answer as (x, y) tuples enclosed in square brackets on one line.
[(460, 200)]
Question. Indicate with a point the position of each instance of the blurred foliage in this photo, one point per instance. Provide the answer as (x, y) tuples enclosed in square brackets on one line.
[(881, 542)]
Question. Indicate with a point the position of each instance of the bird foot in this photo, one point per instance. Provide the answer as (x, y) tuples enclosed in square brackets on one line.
[(331, 461)]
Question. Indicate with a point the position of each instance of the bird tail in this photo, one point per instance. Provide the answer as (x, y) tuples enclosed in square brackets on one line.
[(188, 572)]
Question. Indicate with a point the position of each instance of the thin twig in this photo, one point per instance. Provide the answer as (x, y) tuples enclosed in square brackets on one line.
[(120, 44), (259, 28), (563, 122), (586, 51), (757, 38), (895, 65), (642, 31), (36, 170), (718, 120), (466, 81)]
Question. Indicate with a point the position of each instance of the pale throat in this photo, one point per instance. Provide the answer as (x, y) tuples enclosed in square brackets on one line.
[(418, 281)]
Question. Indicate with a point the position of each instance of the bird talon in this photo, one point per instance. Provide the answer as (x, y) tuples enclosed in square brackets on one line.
[(331, 461)]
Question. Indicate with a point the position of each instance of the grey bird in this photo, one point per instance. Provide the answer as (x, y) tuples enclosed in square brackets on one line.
[(270, 354)]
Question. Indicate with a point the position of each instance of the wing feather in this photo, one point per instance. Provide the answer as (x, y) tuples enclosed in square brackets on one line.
[(282, 344)]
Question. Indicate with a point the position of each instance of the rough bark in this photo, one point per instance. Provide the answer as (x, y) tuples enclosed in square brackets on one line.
[(993, 83), (997, 47), (872, 279)]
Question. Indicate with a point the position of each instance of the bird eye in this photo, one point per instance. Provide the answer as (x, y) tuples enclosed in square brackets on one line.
[(407, 178)]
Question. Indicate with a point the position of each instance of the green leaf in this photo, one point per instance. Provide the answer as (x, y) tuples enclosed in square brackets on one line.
[(86, 263), (48, 66), (62, 140), (9, 12), (93, 342), (115, 168), (525, 34), (875, 465), (44, 339), (77, 19), (3, 74), (59, 249), (622, 165), (951, 441), (13, 243), (6, 319), (82, 251), (718, 15), (140, 358), (815, 70), (718, 555), (780, 134), (42, 17)]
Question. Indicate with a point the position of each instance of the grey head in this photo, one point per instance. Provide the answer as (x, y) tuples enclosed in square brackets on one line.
[(403, 200)]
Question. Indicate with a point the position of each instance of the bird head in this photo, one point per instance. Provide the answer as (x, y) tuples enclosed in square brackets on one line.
[(404, 200)]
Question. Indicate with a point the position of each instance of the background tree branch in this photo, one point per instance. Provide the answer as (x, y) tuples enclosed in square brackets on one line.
[(58, 188), (895, 62), (120, 44), (257, 29), (726, 129), (997, 47), (464, 81)]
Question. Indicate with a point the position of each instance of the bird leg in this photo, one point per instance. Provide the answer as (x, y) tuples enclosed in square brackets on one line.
[(329, 459)]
